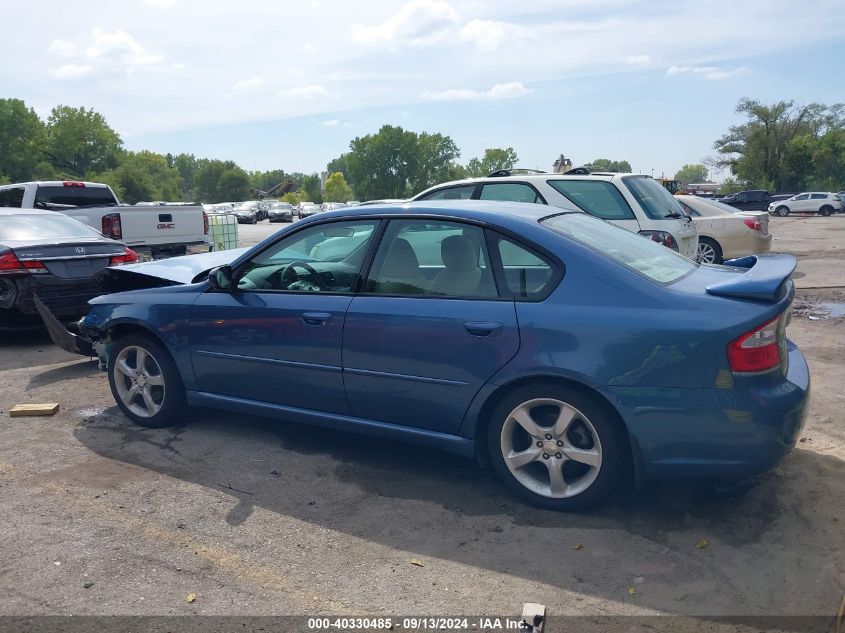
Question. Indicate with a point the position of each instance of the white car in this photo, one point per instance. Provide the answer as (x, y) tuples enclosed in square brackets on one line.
[(636, 203), (823, 203)]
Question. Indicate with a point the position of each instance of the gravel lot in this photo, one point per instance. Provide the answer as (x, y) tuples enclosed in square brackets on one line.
[(256, 517)]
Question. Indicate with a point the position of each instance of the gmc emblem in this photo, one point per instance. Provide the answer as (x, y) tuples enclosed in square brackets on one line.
[(165, 225)]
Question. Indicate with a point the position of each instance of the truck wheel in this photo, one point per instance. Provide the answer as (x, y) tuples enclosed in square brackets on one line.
[(145, 381), (826, 210), (782, 211)]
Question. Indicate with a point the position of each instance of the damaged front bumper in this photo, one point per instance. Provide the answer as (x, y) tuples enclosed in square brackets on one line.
[(84, 342)]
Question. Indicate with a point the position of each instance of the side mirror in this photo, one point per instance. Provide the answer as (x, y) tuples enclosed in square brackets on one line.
[(221, 278)]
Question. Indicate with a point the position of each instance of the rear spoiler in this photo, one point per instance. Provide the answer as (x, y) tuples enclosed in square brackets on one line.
[(763, 281)]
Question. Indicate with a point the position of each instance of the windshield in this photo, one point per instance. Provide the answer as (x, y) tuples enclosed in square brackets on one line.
[(657, 203), (47, 227), (649, 258), (74, 196)]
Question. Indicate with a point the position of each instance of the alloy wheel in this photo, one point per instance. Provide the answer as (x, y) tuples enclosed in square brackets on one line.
[(706, 253), (139, 381), (551, 448)]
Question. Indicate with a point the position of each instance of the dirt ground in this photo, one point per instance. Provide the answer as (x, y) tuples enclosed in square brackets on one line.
[(258, 517)]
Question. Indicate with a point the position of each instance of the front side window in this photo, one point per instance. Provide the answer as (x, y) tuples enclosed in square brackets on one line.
[(596, 197), (629, 249), (464, 192), (657, 203), (322, 258), (12, 197), (511, 192), (423, 257), (803, 196)]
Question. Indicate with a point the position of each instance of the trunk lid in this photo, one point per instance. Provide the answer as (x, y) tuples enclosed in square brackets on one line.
[(71, 260)]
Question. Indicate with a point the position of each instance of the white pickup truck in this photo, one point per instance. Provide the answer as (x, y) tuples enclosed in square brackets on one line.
[(153, 232)]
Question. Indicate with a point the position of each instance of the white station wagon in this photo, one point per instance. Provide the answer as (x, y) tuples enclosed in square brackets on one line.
[(637, 203)]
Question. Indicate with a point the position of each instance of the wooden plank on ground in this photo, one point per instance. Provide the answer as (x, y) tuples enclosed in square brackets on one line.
[(19, 410)]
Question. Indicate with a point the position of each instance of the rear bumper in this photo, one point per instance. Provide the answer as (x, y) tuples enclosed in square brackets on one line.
[(67, 298), (719, 435)]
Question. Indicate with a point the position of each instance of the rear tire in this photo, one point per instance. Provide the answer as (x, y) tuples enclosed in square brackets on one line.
[(782, 211), (145, 381), (826, 210), (555, 446), (709, 251)]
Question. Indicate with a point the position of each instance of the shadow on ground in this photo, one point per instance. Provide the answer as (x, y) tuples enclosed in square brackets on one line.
[(441, 506)]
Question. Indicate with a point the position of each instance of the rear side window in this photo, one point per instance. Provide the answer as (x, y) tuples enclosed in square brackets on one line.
[(74, 196), (464, 192), (657, 203), (511, 192), (689, 209), (596, 197), (819, 196), (526, 274), (12, 197)]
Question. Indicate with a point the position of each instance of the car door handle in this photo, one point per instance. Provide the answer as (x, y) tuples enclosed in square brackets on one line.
[(483, 329), (316, 318)]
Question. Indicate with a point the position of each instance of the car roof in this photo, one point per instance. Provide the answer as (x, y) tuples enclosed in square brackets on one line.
[(54, 183), (492, 211), (18, 211)]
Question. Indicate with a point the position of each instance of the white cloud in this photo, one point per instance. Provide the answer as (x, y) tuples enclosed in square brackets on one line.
[(637, 61), (71, 71), (510, 90), (161, 4), (248, 84), (119, 47), (708, 72), (489, 35), (305, 92), (330, 123), (418, 22), (61, 48)]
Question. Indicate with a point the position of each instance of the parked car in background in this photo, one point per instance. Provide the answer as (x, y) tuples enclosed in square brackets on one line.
[(246, 213), (570, 356), (841, 195), (54, 256), (819, 202), (328, 206), (636, 203), (751, 200), (153, 231), (352, 203), (307, 209), (280, 212), (724, 232)]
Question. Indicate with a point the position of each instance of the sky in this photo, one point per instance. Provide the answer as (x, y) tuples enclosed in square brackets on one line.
[(287, 85)]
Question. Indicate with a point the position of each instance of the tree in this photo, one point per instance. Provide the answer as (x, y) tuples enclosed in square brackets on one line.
[(336, 188), (692, 173), (218, 181), (187, 166), (266, 180), (22, 142), (605, 164), (292, 197), (755, 150), (493, 159), (436, 156), (143, 175), (341, 165), (311, 189), (382, 164), (80, 141)]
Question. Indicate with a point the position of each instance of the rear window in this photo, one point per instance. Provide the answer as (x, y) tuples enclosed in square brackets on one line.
[(30, 227), (74, 196), (629, 249), (657, 203)]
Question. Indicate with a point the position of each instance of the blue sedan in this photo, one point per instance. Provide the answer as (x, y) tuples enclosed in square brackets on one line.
[(563, 351)]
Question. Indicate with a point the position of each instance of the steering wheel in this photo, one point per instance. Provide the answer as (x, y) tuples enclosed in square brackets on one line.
[(287, 271)]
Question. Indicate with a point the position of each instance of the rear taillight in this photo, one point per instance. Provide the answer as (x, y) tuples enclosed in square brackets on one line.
[(111, 226), (10, 264), (753, 223), (205, 223), (661, 237), (756, 351), (128, 257)]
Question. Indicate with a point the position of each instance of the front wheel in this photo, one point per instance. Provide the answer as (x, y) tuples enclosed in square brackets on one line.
[(709, 251), (554, 446), (145, 382), (782, 211)]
